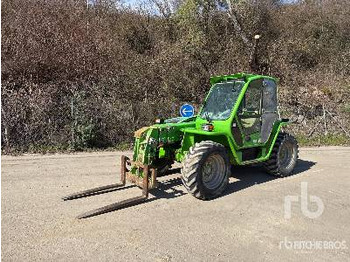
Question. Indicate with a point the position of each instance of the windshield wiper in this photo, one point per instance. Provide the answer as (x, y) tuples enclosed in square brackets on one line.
[(207, 117)]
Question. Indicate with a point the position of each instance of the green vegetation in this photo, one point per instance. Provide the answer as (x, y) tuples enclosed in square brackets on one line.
[(324, 140)]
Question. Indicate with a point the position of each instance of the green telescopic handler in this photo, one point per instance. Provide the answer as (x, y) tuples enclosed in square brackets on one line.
[(238, 124)]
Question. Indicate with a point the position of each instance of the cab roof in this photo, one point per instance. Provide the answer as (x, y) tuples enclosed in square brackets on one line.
[(244, 76)]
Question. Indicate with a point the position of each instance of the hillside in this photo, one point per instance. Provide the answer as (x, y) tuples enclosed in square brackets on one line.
[(77, 76)]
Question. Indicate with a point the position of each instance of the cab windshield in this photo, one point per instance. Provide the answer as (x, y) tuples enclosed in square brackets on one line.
[(221, 100)]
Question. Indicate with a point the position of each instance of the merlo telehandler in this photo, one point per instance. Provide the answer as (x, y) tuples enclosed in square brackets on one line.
[(238, 124)]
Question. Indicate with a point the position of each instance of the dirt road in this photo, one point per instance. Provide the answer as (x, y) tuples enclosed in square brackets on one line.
[(248, 223)]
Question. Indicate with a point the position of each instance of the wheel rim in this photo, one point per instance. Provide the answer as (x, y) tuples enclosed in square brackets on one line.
[(213, 171), (286, 156)]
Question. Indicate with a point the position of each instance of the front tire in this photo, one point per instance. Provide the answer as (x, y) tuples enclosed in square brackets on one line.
[(206, 170), (284, 156)]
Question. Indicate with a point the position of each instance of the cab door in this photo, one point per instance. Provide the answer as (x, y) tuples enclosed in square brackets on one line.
[(269, 109), (249, 115)]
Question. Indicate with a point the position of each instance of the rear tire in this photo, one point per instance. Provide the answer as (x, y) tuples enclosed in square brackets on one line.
[(284, 156), (206, 170)]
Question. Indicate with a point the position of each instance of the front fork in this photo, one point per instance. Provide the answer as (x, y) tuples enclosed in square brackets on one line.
[(147, 182)]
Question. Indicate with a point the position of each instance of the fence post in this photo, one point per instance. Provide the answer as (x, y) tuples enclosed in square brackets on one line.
[(73, 120)]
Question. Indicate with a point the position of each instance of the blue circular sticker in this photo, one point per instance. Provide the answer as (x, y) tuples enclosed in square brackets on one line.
[(186, 110)]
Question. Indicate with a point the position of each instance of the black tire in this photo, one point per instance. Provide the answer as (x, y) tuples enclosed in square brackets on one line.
[(206, 170), (284, 156)]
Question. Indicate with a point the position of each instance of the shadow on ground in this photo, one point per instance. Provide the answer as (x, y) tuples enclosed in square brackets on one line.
[(253, 175), (246, 176)]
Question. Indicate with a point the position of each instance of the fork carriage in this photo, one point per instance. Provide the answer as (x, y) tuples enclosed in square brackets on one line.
[(147, 182)]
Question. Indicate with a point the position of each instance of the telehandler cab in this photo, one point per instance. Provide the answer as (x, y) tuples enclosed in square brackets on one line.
[(238, 124)]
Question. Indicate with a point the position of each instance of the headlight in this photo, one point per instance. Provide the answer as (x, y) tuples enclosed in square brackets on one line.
[(207, 127)]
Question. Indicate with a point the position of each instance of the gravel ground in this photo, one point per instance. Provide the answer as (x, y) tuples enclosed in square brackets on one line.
[(246, 224)]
